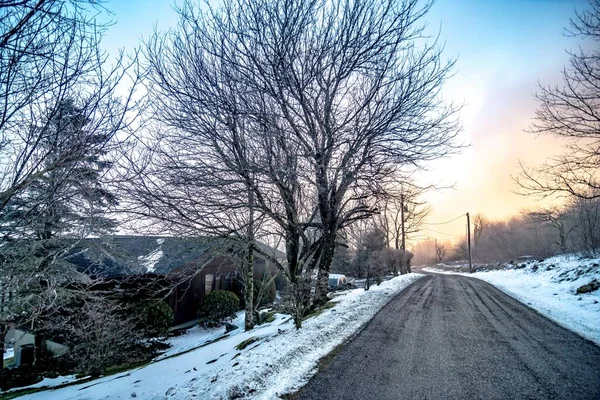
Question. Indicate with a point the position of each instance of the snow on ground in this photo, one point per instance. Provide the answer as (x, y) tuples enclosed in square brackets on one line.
[(198, 336), (281, 359), (550, 287), (450, 266), (47, 382)]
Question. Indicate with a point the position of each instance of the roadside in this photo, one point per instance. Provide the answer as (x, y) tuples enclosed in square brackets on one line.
[(266, 362)]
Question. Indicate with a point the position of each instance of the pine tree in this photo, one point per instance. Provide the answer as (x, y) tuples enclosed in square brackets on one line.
[(71, 200), (46, 220)]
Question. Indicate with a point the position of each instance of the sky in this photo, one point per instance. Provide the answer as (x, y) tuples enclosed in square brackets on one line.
[(503, 49)]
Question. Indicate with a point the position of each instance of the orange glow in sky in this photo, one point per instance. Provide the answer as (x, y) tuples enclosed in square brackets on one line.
[(504, 49)]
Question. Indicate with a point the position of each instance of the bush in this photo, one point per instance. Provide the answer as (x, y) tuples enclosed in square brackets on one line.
[(218, 307), (152, 317), (590, 287), (17, 377), (157, 317)]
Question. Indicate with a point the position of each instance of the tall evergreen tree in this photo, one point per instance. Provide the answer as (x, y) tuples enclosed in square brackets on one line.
[(71, 200), (47, 219)]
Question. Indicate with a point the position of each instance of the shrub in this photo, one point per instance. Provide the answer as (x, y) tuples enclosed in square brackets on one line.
[(17, 377), (264, 317), (590, 287), (156, 316), (152, 317), (218, 307), (247, 342)]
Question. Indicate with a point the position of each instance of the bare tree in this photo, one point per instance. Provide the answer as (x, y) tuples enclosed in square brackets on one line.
[(50, 53), (461, 251), (480, 223), (573, 112), (586, 215), (402, 214), (99, 332), (560, 219), (440, 251), (314, 107)]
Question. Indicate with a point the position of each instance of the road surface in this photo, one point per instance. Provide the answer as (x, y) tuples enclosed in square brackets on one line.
[(453, 337)]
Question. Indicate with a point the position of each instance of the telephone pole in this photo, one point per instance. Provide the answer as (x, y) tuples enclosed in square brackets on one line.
[(469, 241), (402, 221)]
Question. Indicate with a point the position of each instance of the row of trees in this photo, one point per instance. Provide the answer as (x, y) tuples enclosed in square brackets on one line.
[(570, 111), (573, 227), (376, 246), (372, 258)]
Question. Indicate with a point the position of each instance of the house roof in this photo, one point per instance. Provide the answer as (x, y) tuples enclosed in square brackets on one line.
[(131, 255)]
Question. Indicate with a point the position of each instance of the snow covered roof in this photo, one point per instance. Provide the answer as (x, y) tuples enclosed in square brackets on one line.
[(131, 255)]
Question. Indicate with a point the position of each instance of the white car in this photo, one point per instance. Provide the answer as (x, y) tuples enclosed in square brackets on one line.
[(336, 280)]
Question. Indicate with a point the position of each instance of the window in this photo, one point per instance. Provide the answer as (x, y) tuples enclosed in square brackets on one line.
[(208, 284)]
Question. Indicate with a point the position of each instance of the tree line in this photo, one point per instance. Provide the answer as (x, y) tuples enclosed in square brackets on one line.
[(571, 228), (570, 111)]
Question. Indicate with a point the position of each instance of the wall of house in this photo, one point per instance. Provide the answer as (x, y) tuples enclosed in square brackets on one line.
[(220, 274)]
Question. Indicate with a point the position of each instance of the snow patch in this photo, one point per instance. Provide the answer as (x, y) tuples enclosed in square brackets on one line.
[(149, 260)]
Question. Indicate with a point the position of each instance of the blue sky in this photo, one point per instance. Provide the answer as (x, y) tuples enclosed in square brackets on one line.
[(504, 49)]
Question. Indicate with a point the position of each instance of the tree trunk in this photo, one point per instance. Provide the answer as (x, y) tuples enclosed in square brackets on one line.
[(249, 289), (249, 267), (402, 222), (324, 267), (3, 332)]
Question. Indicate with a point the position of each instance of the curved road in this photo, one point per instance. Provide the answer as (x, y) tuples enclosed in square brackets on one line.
[(453, 337)]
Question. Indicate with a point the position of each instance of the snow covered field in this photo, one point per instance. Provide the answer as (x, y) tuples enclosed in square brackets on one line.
[(550, 287), (279, 360)]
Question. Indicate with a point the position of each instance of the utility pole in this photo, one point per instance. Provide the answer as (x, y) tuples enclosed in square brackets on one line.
[(435, 256), (402, 221), (405, 264), (469, 241)]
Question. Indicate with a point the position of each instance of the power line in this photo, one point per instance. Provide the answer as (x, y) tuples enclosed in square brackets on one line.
[(444, 223), (440, 233)]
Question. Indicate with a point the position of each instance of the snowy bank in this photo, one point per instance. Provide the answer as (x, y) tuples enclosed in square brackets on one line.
[(550, 287), (278, 359)]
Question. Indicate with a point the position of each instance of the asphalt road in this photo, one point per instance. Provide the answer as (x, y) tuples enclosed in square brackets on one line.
[(452, 337)]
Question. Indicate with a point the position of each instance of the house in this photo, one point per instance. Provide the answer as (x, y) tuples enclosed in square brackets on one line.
[(181, 270), (185, 270)]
